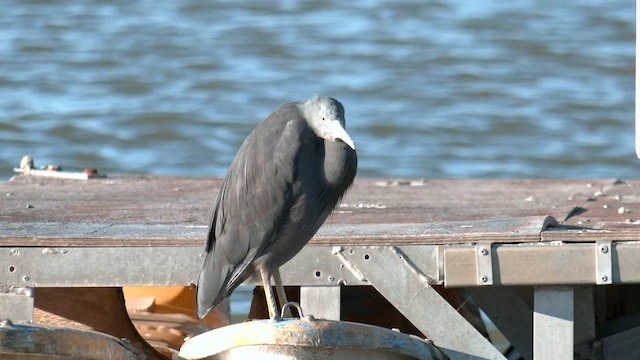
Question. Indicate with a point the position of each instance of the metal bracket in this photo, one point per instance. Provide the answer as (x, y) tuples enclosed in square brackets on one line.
[(603, 262), (16, 303), (484, 264)]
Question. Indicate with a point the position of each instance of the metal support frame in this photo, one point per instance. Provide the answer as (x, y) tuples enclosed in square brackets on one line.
[(553, 323), (584, 332), (403, 275), (409, 290), (323, 302), (509, 313), (16, 304)]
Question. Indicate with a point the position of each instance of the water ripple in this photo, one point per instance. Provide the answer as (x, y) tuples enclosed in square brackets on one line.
[(445, 89)]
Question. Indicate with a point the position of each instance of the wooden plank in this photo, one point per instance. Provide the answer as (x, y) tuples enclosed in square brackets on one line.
[(112, 234), (595, 210), (148, 199)]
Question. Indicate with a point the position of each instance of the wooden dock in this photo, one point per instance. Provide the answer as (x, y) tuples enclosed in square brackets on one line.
[(554, 263)]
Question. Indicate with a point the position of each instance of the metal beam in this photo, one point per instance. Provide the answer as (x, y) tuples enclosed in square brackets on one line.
[(553, 323), (323, 302), (16, 304), (393, 273), (509, 313), (546, 264), (540, 264), (147, 266), (107, 266)]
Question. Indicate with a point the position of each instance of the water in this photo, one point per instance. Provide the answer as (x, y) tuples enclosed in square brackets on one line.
[(438, 89), (444, 89)]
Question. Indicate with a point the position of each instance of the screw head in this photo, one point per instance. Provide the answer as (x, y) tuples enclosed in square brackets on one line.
[(604, 278), (484, 279), (484, 252), (604, 249)]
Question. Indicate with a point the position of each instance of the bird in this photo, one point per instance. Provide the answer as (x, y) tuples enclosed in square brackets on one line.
[(289, 174)]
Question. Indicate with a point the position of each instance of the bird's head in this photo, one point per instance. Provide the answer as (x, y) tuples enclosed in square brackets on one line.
[(326, 117)]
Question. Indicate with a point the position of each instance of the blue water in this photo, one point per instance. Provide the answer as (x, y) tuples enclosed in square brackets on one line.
[(439, 89)]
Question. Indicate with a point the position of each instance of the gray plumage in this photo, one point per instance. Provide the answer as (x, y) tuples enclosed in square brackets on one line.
[(289, 174)]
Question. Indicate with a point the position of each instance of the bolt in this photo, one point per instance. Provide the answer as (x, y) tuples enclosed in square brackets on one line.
[(604, 249), (604, 278), (484, 252), (484, 279)]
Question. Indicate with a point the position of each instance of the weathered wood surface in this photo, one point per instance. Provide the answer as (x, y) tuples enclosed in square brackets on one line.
[(145, 210)]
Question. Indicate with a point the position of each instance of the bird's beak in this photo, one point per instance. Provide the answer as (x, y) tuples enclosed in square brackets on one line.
[(339, 133)]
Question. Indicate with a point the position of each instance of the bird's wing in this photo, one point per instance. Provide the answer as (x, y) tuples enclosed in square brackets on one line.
[(252, 205)]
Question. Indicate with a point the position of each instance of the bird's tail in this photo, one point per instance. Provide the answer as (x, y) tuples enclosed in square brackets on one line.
[(211, 284)]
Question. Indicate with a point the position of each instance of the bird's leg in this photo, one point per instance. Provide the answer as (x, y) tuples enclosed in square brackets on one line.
[(269, 296), (282, 296)]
